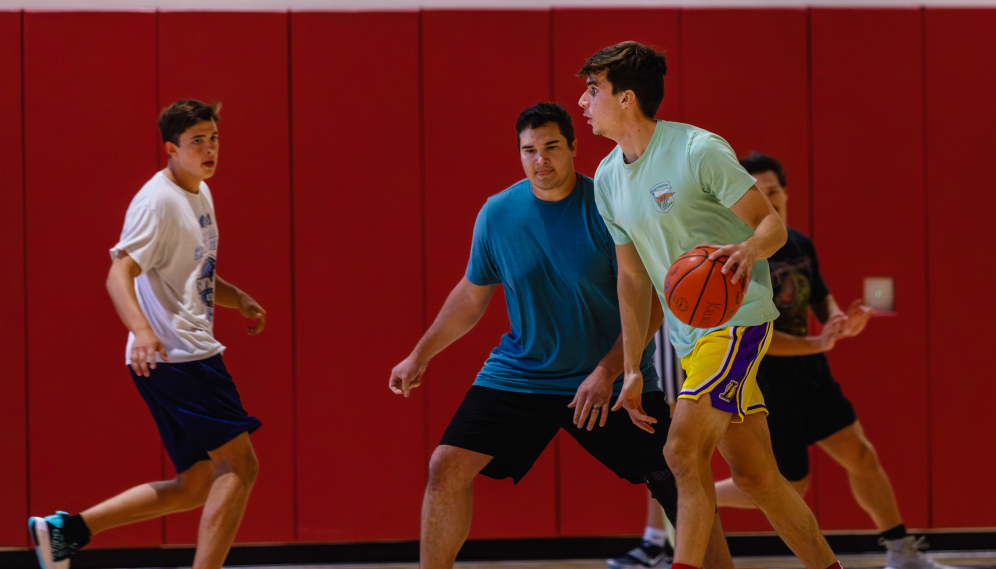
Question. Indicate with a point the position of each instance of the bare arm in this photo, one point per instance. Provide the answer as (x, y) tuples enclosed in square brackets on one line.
[(612, 363), (783, 344), (459, 314), (121, 288), (227, 295), (769, 234), (634, 287), (826, 309)]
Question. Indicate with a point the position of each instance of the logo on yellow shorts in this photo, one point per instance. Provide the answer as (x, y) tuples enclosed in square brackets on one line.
[(729, 392)]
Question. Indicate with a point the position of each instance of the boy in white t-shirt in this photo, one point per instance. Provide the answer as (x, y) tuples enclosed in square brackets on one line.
[(164, 285)]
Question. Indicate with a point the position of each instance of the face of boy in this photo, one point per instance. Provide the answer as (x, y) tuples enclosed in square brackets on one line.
[(197, 153), (602, 109), (767, 182), (547, 159)]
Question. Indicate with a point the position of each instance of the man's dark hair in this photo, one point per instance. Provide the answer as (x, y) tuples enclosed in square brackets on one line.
[(632, 66), (756, 163), (183, 114), (542, 113)]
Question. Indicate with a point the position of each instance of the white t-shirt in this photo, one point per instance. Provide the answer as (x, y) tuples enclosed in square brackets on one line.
[(173, 236)]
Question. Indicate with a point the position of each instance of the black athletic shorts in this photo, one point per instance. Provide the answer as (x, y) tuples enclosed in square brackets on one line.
[(514, 428), (805, 406)]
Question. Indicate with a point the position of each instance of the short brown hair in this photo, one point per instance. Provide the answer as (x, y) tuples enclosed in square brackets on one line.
[(632, 66), (183, 114)]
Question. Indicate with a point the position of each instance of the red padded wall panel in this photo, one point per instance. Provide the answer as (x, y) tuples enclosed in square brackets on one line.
[(579, 33), (618, 507), (481, 69), (240, 59), (90, 119), (754, 107), (960, 70), (763, 106), (358, 267), (869, 218), (13, 443)]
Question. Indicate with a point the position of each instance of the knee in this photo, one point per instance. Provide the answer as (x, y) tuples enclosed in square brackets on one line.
[(447, 472), (243, 464), (801, 486), (195, 484), (685, 460), (757, 482), (864, 458)]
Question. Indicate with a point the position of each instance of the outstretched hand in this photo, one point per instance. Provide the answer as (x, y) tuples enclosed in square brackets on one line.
[(832, 331), (858, 316), (407, 376), (631, 399)]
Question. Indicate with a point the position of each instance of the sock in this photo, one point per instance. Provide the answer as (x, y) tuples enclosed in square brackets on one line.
[(654, 536), (76, 530), (898, 532), (682, 566), (836, 565)]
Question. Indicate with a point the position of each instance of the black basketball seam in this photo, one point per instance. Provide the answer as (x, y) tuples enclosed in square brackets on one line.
[(705, 283), (681, 279), (726, 295)]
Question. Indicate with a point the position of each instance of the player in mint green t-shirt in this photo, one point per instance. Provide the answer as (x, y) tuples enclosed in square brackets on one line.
[(667, 188)]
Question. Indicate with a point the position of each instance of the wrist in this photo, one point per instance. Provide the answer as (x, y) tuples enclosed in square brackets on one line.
[(607, 373)]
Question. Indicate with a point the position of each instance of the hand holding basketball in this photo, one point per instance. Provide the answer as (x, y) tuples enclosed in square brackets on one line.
[(698, 293), (740, 259)]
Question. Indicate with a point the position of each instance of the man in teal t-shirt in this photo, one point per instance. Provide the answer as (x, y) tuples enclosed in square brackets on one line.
[(663, 190), (559, 365)]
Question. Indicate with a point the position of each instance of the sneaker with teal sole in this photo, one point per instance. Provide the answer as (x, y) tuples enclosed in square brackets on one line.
[(51, 545)]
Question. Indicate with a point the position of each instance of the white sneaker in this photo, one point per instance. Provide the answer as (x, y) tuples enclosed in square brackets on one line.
[(906, 553)]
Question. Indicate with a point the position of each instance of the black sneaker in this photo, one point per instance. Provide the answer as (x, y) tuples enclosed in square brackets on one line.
[(51, 545), (647, 555)]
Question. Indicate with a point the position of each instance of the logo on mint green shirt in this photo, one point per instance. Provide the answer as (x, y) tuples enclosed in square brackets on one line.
[(663, 196)]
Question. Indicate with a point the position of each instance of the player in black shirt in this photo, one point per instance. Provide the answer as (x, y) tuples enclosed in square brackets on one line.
[(806, 405)]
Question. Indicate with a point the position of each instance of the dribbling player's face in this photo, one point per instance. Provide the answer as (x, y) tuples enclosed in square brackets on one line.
[(197, 153), (601, 107), (767, 182), (547, 159)]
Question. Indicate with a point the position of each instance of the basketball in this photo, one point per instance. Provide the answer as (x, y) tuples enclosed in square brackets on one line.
[(698, 293)]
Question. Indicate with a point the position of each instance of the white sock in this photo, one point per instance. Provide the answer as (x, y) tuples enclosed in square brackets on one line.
[(654, 536)]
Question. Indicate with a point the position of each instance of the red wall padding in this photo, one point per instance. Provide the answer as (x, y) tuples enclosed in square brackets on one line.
[(90, 145), (240, 59), (616, 507), (13, 443), (960, 69), (358, 273), (478, 75), (754, 106), (317, 134), (869, 219)]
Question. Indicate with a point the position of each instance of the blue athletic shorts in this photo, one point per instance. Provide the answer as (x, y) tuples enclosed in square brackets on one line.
[(196, 408)]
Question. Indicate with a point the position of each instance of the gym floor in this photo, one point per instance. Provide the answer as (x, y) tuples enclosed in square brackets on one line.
[(961, 559)]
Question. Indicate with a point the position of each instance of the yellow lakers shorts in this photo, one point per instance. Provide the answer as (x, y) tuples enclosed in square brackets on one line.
[(724, 364)]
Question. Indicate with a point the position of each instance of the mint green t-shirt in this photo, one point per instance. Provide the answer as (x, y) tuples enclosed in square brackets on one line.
[(675, 196)]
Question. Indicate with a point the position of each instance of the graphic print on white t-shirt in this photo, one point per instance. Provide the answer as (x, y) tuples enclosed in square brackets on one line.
[(173, 236)]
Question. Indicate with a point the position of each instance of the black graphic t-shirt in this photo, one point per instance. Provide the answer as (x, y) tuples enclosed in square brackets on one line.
[(796, 282)]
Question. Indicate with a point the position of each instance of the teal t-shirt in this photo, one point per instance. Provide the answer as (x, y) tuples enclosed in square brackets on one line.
[(557, 264), (675, 196)]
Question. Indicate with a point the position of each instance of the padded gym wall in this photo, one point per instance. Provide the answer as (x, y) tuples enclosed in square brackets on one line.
[(869, 196), (358, 273), (240, 59), (763, 107), (90, 145), (480, 70), (13, 414), (617, 507), (960, 71)]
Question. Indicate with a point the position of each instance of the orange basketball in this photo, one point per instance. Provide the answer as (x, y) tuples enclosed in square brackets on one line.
[(698, 293)]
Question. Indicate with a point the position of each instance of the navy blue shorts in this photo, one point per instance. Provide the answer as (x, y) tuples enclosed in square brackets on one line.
[(196, 408)]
